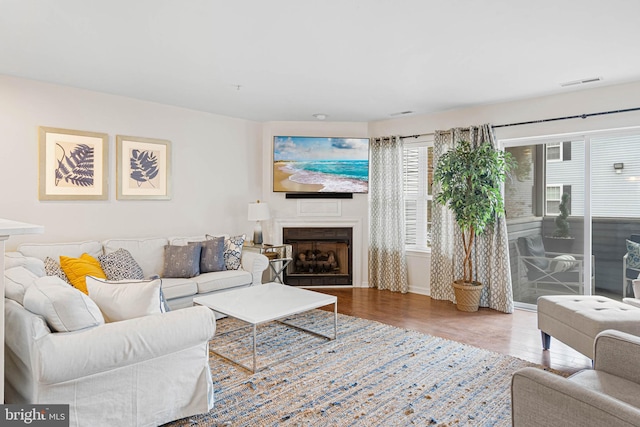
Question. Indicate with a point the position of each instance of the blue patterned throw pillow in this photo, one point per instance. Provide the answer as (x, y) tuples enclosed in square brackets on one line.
[(52, 268), (120, 265), (233, 252), (633, 254)]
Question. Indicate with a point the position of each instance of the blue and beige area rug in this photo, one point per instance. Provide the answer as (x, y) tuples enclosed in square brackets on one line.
[(372, 375)]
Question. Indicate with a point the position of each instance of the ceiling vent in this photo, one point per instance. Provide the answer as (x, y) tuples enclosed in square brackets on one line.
[(581, 82), (401, 113)]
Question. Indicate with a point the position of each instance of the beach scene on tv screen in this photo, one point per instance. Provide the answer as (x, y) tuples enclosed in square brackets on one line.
[(310, 164)]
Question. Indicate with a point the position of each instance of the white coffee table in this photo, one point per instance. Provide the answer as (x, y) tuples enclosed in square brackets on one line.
[(269, 302)]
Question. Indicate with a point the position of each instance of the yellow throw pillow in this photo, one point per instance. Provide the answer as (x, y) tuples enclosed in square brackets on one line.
[(77, 269)]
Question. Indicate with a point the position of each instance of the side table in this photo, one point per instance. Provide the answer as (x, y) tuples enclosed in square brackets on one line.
[(279, 258)]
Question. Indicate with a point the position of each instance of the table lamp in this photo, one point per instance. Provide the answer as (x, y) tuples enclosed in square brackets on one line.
[(258, 212)]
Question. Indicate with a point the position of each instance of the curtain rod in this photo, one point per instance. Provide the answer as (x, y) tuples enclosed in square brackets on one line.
[(418, 135), (430, 133), (579, 116)]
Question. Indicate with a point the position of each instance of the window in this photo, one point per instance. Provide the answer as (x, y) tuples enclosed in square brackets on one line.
[(554, 193), (554, 196), (554, 151), (418, 182), (558, 151)]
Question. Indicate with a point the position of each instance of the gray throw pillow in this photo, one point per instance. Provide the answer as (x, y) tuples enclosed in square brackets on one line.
[(182, 261), (212, 256), (120, 265)]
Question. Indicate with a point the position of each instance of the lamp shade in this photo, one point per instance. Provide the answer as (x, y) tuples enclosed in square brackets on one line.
[(258, 211)]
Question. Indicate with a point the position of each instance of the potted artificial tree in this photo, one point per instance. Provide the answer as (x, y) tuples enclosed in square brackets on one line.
[(470, 180)]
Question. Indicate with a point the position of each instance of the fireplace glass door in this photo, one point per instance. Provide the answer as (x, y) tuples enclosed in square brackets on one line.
[(320, 256)]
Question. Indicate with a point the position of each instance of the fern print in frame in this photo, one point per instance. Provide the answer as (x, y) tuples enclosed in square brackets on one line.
[(73, 164), (143, 168)]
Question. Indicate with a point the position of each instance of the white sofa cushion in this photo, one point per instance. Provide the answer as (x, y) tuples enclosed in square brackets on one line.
[(177, 288), (148, 253), (209, 282), (65, 308), (184, 240), (17, 280), (17, 259), (55, 250), (125, 300)]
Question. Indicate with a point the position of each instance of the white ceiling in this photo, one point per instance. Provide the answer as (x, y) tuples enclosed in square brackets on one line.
[(354, 60)]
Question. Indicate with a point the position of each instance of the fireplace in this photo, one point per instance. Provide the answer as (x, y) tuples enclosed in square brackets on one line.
[(321, 256)]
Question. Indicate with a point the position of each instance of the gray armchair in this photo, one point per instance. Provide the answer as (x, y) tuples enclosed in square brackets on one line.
[(608, 395), (628, 272)]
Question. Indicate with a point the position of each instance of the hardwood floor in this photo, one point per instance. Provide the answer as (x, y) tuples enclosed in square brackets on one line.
[(514, 334)]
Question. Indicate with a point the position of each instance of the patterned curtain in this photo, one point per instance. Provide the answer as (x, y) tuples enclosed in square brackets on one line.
[(387, 260), (491, 249)]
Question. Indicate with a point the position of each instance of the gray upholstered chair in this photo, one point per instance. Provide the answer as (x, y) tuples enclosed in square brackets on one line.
[(629, 271), (607, 395)]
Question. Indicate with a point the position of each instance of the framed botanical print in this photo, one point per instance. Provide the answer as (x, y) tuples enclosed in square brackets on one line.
[(143, 168), (73, 164)]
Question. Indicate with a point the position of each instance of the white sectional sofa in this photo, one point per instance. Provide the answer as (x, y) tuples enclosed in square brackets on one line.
[(142, 371), (149, 254)]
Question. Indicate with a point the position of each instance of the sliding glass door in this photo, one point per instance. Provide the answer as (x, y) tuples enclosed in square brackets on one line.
[(615, 192), (572, 216)]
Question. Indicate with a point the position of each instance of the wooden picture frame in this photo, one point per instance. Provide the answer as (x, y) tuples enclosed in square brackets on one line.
[(73, 165), (143, 168)]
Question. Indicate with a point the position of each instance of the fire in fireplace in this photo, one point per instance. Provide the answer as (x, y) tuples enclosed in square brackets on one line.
[(321, 256)]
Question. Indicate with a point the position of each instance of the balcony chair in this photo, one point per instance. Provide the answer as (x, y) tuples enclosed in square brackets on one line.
[(607, 395), (630, 270), (548, 272)]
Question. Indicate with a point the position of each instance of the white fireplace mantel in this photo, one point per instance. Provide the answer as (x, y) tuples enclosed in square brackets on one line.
[(354, 223)]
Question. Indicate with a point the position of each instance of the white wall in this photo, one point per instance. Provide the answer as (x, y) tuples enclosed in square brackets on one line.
[(216, 165), (575, 102)]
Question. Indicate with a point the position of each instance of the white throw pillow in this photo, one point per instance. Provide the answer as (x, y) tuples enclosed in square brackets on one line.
[(16, 259), (562, 263), (65, 308), (125, 300), (17, 281)]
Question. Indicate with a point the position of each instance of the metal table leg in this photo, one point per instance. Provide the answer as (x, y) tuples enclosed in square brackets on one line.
[(278, 271), (254, 347)]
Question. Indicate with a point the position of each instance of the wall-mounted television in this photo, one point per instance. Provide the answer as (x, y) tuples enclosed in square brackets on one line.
[(307, 165)]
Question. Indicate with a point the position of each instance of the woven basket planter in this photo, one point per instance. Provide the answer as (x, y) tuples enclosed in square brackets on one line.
[(467, 295)]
